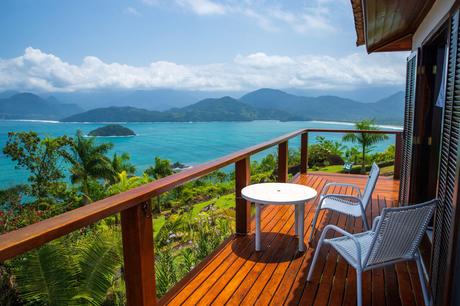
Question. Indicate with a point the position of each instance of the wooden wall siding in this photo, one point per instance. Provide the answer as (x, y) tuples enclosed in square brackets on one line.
[(408, 134), (237, 275), (446, 217), (389, 25)]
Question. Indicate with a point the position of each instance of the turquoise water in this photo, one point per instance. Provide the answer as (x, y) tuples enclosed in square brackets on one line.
[(188, 143)]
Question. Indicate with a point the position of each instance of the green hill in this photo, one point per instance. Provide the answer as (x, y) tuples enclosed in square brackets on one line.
[(31, 106), (223, 109), (329, 108)]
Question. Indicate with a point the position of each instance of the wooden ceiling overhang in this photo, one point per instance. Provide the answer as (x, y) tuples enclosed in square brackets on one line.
[(388, 25)]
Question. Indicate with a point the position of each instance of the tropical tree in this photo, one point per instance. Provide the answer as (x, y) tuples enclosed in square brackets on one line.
[(162, 168), (41, 157), (121, 163), (126, 183), (89, 162), (365, 140)]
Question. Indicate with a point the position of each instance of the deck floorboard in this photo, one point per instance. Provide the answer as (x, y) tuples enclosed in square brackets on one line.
[(237, 275)]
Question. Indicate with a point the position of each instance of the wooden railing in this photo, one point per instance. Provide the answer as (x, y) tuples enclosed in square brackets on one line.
[(136, 218)]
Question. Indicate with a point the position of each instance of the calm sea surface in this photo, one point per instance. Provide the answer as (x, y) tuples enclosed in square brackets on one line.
[(188, 143)]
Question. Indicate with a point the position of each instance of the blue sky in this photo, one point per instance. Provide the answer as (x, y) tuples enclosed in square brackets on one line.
[(56, 45)]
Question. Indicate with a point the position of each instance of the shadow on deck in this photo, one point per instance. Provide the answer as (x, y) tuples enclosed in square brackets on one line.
[(237, 275)]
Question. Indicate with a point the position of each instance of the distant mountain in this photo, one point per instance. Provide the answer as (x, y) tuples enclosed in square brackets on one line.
[(156, 99), (328, 108), (31, 106), (223, 109)]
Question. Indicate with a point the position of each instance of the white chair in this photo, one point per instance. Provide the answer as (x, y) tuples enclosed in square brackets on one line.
[(395, 236), (353, 205)]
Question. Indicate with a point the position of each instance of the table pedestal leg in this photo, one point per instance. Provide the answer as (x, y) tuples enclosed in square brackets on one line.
[(301, 226), (258, 213), (296, 226)]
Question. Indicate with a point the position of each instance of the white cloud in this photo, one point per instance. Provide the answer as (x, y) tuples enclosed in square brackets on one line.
[(203, 7), (132, 11), (36, 70), (272, 15)]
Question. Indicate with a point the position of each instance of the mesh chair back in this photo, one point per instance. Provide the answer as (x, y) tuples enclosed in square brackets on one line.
[(370, 185), (399, 232)]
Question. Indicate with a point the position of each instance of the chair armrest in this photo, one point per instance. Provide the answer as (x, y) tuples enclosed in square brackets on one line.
[(345, 233), (375, 222), (343, 196), (353, 186)]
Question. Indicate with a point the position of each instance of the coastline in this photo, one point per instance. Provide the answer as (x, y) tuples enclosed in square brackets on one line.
[(388, 126)]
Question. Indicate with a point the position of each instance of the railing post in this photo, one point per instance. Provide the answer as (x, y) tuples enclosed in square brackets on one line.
[(398, 156), (283, 154), (139, 260), (243, 207), (304, 153)]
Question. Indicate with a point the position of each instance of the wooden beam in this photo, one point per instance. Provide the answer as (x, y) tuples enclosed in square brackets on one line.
[(243, 207), (139, 260), (398, 156), (283, 154), (304, 153)]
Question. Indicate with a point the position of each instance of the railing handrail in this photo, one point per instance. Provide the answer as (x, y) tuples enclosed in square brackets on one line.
[(32, 236)]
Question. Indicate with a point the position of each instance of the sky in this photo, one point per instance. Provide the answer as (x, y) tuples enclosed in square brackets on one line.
[(210, 45)]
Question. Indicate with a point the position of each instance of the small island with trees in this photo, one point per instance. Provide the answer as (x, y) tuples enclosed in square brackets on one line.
[(112, 130)]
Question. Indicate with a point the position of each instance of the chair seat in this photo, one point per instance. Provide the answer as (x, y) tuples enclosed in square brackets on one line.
[(342, 206), (347, 248)]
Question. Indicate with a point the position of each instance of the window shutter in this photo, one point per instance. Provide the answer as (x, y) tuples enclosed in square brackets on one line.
[(444, 225), (408, 134)]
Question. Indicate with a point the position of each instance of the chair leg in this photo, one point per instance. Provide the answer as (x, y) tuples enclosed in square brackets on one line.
[(313, 223), (359, 287), (315, 258), (426, 295), (366, 225), (301, 222)]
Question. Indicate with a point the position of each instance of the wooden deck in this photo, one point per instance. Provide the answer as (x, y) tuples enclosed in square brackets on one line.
[(237, 275)]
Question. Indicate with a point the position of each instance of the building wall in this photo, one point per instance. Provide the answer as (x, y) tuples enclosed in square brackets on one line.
[(433, 18)]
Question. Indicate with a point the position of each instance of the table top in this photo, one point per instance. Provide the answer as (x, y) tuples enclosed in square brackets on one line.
[(278, 193)]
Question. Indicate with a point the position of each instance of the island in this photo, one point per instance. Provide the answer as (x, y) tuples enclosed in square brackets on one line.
[(112, 130)]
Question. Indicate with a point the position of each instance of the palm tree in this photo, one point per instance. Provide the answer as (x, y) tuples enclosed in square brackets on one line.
[(89, 161), (365, 140), (162, 168), (121, 163)]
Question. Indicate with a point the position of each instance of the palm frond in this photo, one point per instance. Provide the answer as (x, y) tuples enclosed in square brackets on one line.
[(98, 262), (46, 276)]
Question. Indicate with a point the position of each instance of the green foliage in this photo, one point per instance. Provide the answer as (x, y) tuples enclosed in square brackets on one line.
[(166, 275), (41, 157), (89, 161), (46, 276), (98, 261), (325, 152), (121, 163), (126, 183), (161, 168), (365, 140)]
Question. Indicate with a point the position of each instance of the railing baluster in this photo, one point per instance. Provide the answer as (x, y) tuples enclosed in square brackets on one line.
[(283, 154), (139, 268), (398, 156), (304, 153), (243, 207)]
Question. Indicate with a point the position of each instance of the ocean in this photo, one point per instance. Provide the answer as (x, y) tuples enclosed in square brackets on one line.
[(188, 143)]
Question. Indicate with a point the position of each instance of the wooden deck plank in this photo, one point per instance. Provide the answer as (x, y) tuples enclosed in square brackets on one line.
[(237, 274)]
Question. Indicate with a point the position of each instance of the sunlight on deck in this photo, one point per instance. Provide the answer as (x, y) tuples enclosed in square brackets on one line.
[(237, 275)]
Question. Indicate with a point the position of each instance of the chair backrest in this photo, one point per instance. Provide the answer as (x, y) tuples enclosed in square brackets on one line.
[(399, 232), (370, 185)]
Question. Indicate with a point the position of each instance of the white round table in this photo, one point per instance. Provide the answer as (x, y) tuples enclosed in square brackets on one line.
[(280, 194)]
